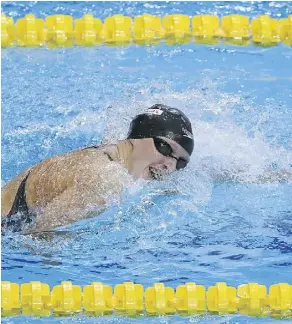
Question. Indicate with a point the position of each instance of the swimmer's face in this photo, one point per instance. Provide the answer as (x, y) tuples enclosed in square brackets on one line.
[(155, 157)]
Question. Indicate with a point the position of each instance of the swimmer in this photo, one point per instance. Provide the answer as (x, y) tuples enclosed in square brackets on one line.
[(77, 185)]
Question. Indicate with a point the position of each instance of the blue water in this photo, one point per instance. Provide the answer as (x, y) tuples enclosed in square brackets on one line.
[(239, 100)]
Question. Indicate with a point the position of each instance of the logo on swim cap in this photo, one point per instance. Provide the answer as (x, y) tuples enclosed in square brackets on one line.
[(154, 111)]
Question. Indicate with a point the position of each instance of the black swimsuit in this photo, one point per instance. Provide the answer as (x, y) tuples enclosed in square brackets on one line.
[(20, 214)]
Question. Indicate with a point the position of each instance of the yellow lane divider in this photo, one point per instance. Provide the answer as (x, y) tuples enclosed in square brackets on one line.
[(63, 30), (36, 298)]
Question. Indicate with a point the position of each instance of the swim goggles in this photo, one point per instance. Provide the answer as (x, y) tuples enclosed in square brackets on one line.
[(165, 149)]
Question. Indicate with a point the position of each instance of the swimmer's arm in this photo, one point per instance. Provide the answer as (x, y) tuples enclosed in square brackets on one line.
[(95, 184), (75, 203), (67, 208)]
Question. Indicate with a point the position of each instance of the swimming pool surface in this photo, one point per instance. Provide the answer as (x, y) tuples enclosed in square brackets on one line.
[(191, 227)]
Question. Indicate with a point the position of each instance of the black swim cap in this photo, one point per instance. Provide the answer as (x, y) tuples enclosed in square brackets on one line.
[(161, 120)]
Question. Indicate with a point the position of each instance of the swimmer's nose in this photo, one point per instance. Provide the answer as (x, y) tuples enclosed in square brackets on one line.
[(170, 164)]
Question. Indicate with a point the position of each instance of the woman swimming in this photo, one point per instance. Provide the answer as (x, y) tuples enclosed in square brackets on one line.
[(77, 185)]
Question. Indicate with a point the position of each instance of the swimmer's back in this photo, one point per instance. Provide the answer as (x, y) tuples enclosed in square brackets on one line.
[(50, 178)]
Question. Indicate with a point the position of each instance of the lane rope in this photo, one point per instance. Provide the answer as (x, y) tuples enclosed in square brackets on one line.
[(36, 298), (117, 30)]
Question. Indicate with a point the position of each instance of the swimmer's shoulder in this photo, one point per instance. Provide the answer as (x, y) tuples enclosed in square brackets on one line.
[(52, 176), (110, 151), (66, 167), (73, 160), (96, 160)]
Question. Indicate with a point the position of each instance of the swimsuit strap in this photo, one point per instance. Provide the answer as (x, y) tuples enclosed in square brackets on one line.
[(19, 204), (99, 147)]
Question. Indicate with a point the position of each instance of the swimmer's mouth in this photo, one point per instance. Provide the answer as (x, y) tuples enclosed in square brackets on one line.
[(154, 174)]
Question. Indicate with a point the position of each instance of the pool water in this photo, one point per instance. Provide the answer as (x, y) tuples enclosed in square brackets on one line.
[(194, 226)]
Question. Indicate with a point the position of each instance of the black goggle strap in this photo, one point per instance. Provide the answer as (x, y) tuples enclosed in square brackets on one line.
[(180, 163)]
